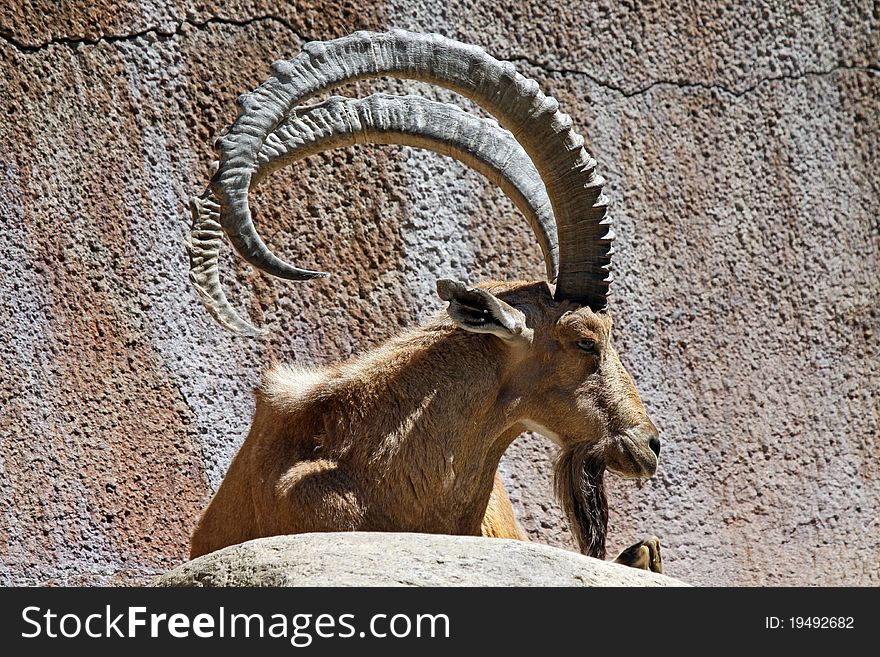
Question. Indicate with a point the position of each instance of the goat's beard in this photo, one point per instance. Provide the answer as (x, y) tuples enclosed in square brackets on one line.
[(579, 479)]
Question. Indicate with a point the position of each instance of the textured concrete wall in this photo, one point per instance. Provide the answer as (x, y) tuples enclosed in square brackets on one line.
[(740, 145)]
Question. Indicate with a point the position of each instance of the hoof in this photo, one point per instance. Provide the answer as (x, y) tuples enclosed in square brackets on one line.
[(644, 556)]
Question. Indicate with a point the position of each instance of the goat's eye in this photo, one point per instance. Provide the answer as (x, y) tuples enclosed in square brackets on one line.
[(587, 345)]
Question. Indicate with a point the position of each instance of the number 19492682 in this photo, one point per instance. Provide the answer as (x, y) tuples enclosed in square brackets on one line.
[(809, 622)]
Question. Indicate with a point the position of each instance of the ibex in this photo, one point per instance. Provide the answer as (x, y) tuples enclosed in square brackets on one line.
[(408, 437)]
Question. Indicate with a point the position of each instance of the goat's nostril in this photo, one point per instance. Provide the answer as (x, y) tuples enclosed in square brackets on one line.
[(654, 444)]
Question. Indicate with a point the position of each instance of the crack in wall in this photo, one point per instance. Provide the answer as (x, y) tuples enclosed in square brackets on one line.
[(685, 84), (7, 36)]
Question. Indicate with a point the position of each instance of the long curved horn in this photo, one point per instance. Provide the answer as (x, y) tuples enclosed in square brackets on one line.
[(380, 118), (568, 171), (203, 245)]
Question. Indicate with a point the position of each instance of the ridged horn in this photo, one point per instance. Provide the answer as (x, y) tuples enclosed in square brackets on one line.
[(409, 120), (203, 245), (568, 171)]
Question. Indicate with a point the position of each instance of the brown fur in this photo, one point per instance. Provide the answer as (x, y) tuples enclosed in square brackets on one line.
[(498, 519), (408, 437)]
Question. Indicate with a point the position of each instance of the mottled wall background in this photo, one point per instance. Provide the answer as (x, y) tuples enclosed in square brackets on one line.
[(741, 147)]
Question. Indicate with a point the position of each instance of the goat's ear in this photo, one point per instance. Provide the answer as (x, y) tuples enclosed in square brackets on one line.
[(474, 309)]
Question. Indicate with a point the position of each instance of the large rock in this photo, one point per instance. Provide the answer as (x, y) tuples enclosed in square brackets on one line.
[(386, 559)]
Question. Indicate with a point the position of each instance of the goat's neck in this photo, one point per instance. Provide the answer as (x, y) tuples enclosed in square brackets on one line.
[(432, 422)]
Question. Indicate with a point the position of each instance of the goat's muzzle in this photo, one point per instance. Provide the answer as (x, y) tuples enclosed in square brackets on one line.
[(633, 452)]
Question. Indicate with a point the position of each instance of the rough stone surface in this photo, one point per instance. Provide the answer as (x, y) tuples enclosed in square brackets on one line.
[(388, 559), (740, 145)]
